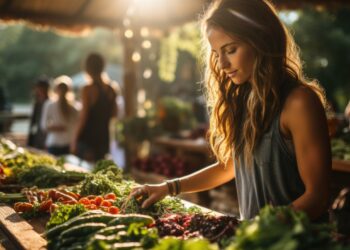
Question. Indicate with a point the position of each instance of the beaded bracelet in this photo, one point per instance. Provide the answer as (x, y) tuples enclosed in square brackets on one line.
[(170, 188), (178, 186)]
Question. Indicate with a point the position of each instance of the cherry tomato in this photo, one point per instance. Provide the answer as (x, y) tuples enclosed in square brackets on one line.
[(84, 201), (106, 203), (98, 200), (113, 210), (110, 196)]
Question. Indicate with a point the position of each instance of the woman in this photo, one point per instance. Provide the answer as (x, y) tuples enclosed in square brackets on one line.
[(91, 141), (59, 118), (268, 128)]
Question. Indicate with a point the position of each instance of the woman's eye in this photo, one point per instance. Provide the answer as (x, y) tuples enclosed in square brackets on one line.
[(231, 51)]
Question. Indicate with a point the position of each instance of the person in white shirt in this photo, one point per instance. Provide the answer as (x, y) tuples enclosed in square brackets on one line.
[(60, 117)]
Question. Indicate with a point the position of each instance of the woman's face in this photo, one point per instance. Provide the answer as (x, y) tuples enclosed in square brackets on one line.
[(234, 57)]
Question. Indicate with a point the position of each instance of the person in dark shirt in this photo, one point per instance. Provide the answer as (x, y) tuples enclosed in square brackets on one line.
[(91, 140)]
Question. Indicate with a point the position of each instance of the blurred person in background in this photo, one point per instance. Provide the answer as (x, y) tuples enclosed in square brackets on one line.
[(347, 113), (60, 117), (5, 108), (92, 138), (37, 136)]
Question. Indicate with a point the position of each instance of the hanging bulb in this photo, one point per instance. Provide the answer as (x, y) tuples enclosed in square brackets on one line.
[(144, 32), (136, 56), (146, 44), (147, 73), (129, 33)]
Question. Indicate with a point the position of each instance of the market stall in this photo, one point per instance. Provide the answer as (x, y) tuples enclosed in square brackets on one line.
[(97, 212)]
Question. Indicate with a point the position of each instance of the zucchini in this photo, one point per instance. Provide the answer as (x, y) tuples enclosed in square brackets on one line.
[(107, 239), (82, 230), (110, 230), (127, 246), (127, 219), (81, 219), (68, 241)]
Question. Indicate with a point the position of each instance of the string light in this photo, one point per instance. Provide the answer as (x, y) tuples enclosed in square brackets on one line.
[(126, 22), (128, 33), (144, 32), (136, 56), (146, 44), (147, 73)]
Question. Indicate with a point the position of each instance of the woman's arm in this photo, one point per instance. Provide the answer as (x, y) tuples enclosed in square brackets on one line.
[(207, 178), (304, 119)]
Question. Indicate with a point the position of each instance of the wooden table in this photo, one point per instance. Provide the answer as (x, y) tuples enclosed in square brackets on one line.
[(341, 166), (22, 234)]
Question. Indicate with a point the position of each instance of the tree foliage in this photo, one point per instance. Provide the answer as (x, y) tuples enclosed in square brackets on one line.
[(26, 54), (324, 40)]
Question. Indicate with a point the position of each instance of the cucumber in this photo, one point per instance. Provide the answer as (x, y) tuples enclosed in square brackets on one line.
[(68, 241), (127, 219), (107, 239), (127, 246), (76, 246), (111, 230), (81, 219), (82, 230)]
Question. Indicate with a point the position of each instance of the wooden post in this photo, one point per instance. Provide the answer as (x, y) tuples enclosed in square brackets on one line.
[(130, 92), (130, 78)]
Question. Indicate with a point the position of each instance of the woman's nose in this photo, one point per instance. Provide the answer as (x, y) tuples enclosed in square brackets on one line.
[(223, 62)]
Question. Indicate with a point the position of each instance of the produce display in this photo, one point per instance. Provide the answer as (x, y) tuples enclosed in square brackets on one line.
[(164, 164), (99, 213), (23, 168), (341, 147)]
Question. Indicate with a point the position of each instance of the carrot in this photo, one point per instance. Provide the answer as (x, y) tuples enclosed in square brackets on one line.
[(63, 196)]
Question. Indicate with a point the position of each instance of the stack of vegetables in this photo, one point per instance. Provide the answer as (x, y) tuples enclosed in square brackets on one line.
[(25, 169)]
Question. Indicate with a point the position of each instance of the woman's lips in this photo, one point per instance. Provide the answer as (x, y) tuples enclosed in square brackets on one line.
[(232, 74)]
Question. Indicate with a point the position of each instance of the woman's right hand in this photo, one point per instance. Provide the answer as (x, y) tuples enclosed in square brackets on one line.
[(153, 193)]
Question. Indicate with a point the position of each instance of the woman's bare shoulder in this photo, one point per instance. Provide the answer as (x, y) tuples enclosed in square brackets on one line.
[(302, 104), (302, 99)]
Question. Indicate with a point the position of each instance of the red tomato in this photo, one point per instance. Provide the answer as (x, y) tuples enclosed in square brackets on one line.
[(98, 200), (110, 196), (106, 203), (113, 210), (84, 201)]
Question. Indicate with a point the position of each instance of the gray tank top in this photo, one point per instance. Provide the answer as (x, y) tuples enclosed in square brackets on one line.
[(273, 177)]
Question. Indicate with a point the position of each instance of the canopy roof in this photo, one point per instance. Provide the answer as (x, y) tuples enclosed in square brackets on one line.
[(80, 14)]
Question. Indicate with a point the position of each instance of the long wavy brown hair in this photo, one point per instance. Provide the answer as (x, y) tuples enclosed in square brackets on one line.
[(241, 114)]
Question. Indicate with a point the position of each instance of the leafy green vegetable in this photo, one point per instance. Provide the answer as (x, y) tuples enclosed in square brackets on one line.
[(64, 213), (165, 206), (103, 166), (282, 228), (172, 243), (48, 176)]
